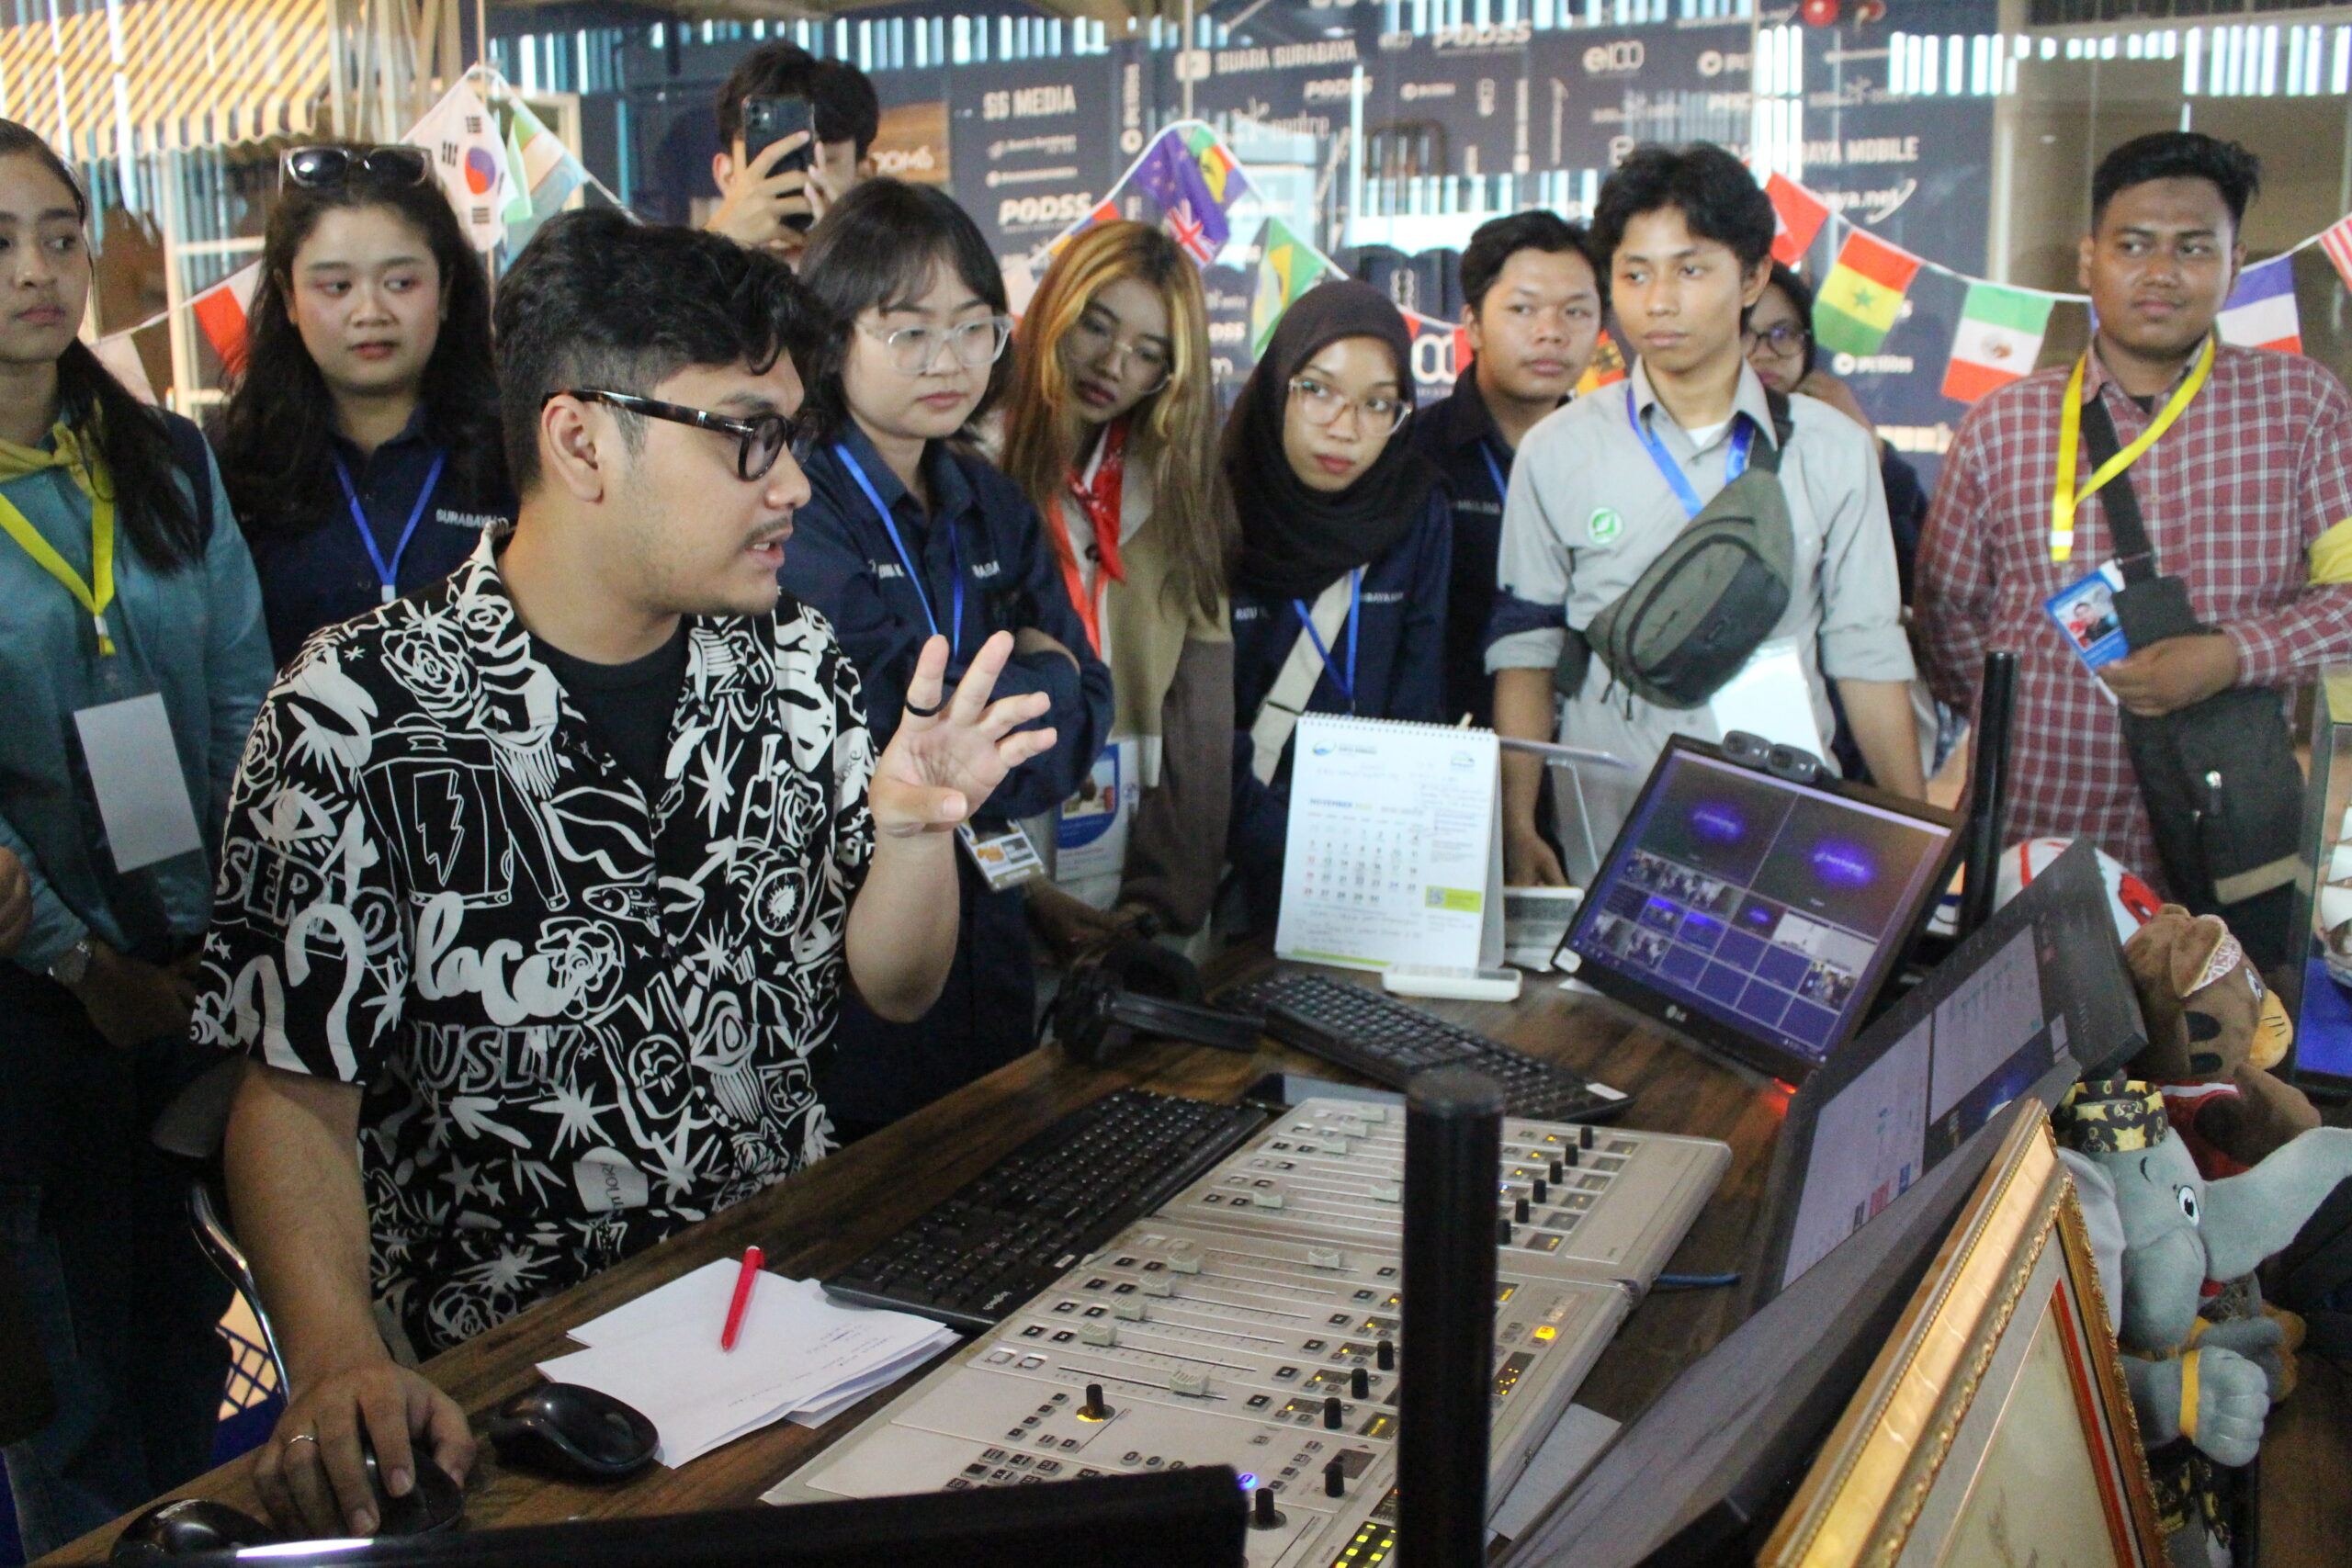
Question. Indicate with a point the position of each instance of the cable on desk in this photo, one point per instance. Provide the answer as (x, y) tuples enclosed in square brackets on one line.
[(1694, 1282)]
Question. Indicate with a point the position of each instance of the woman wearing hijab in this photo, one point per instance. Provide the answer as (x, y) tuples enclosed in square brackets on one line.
[(1339, 588)]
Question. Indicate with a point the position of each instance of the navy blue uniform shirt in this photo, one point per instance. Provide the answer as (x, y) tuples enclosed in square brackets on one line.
[(839, 561), (1459, 437), (325, 575), (1399, 673)]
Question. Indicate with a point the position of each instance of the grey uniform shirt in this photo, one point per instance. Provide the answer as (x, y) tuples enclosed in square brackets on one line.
[(1588, 512)]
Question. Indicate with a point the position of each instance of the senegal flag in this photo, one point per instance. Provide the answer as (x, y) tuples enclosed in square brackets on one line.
[(1862, 295), (1287, 267)]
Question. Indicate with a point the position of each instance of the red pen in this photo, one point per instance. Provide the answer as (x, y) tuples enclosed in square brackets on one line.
[(752, 1258)]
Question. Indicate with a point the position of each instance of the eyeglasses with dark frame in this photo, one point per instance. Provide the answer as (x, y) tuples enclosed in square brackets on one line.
[(1787, 339), (324, 167), (761, 438)]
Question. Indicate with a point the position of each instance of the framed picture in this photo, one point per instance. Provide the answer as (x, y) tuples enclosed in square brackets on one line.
[(1994, 1428)]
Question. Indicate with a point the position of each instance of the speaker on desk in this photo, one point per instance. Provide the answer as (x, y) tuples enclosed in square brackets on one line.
[(1452, 1145)]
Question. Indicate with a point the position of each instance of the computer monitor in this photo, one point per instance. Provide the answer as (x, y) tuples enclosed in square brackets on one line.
[(1702, 1474), (1192, 1519), (1759, 916), (2040, 983)]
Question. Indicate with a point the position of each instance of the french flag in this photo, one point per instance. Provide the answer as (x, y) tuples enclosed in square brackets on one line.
[(2261, 310)]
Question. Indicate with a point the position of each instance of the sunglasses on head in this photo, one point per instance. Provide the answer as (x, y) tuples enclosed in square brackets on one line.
[(323, 168)]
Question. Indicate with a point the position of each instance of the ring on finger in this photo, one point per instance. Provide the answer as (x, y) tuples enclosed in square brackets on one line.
[(919, 711), (303, 1437)]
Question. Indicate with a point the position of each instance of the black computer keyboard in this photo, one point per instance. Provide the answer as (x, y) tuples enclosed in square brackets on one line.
[(1008, 1232), (1390, 1041)]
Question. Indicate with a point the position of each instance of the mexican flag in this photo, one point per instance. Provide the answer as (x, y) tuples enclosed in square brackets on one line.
[(1287, 267), (1864, 294), (1999, 338)]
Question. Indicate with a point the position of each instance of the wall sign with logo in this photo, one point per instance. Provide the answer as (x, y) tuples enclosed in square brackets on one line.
[(1034, 145)]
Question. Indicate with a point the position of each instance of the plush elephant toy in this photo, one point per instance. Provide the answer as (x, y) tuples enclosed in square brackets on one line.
[(2204, 1366), (2214, 1032)]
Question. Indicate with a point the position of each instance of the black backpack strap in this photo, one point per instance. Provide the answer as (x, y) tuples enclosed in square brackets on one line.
[(2132, 554), (194, 458), (1784, 425)]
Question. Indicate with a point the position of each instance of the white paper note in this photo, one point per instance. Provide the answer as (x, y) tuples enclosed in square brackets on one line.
[(1771, 698), (135, 773)]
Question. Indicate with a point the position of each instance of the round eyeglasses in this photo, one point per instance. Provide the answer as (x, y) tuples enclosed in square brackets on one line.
[(1095, 338), (914, 350), (1785, 340), (1323, 404)]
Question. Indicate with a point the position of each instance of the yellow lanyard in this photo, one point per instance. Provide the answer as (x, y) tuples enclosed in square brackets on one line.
[(48, 560), (2070, 432)]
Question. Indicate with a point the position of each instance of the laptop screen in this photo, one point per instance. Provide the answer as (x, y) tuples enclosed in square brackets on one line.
[(1773, 909)]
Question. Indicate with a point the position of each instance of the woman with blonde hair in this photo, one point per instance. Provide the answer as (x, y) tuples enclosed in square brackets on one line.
[(1112, 432)]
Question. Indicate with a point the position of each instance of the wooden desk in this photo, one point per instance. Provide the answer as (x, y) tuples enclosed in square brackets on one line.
[(838, 1209)]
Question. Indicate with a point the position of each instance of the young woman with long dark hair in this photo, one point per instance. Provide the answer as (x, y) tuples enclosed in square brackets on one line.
[(910, 533), (360, 444), (1110, 430), (131, 660)]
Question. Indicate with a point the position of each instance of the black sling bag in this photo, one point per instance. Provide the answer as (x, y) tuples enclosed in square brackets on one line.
[(2223, 792)]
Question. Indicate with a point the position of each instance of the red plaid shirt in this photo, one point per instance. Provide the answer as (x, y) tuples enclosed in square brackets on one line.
[(2232, 495)]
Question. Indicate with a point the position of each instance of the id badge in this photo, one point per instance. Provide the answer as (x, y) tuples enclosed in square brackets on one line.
[(135, 773), (2086, 616), (1090, 829), (1007, 859)]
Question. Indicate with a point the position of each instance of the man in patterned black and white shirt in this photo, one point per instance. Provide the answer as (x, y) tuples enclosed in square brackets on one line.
[(541, 885)]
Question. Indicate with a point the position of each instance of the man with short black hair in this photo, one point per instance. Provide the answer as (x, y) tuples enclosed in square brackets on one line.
[(540, 886), (2250, 464), (1532, 305), (755, 199), (1604, 486)]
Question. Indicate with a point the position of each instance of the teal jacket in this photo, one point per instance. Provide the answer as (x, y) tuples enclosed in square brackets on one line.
[(195, 635)]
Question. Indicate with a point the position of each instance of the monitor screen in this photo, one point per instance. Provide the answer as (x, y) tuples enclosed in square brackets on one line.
[(2043, 981), (1771, 911)]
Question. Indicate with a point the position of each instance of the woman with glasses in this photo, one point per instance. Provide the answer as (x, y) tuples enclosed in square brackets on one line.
[(1778, 340), (1347, 541), (360, 442), (908, 534), (131, 663), (1112, 432)]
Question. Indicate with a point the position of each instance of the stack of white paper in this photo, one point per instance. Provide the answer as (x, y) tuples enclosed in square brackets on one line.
[(799, 1356)]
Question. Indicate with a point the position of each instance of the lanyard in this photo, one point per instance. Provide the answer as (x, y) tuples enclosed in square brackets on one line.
[(388, 577), (1495, 472), (95, 601), (1099, 490), (954, 557), (2070, 433), (1355, 603), (1735, 460)]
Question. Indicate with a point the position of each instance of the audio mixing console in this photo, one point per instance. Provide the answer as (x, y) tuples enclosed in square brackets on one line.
[(1254, 1322)]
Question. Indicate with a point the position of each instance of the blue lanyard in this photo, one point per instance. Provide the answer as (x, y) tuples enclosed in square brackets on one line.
[(1735, 461), (388, 577), (1495, 472), (1355, 603), (890, 526)]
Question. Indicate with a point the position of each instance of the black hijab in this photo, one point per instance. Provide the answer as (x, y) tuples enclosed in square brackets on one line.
[(1297, 541)]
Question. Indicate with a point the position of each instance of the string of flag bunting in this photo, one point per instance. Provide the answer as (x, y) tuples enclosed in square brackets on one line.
[(1196, 181), (2002, 325)]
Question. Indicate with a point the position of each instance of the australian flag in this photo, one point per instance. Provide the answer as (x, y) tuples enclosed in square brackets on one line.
[(1193, 189)]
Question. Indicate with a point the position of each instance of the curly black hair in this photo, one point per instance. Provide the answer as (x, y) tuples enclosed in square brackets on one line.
[(599, 299)]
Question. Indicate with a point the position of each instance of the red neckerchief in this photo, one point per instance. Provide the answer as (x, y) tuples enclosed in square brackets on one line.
[(1100, 500)]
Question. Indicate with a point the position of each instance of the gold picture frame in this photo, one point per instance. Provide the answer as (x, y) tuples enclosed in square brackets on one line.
[(1994, 1428)]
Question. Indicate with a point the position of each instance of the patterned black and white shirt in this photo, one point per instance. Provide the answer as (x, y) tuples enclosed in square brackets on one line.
[(582, 1021)]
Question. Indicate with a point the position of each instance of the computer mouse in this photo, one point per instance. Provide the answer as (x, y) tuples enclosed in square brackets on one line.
[(435, 1503), (184, 1527), (562, 1429)]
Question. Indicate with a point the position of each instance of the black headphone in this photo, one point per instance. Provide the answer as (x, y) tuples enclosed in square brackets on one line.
[(1137, 988)]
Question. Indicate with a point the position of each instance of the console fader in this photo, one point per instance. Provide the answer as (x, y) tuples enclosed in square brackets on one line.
[(1253, 1322)]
